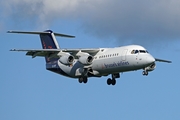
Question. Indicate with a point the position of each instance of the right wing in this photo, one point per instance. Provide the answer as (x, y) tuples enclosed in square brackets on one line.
[(160, 60)]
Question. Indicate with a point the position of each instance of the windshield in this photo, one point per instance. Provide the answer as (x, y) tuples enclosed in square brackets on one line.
[(138, 51)]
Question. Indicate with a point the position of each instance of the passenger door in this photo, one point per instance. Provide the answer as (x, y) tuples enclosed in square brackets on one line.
[(123, 55)]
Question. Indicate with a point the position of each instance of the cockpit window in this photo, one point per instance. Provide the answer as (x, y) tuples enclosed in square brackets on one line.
[(133, 51), (136, 51), (142, 51)]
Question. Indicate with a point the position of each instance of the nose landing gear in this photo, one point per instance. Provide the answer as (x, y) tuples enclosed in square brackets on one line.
[(145, 73)]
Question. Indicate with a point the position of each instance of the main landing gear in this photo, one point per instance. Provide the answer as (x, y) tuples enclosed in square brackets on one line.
[(113, 80), (83, 80), (110, 81)]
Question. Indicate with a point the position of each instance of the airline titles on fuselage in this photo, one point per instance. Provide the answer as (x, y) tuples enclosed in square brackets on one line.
[(116, 64)]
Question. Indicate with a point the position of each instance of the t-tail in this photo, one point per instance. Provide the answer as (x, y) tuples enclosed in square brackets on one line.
[(48, 41)]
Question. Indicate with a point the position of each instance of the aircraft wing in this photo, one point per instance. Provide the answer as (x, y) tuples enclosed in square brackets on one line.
[(75, 51), (54, 52), (160, 60)]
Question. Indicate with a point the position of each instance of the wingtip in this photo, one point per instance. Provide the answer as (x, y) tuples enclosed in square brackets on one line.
[(11, 31), (168, 61), (12, 50)]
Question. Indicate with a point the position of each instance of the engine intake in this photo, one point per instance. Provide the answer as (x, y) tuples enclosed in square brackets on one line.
[(66, 59), (86, 59)]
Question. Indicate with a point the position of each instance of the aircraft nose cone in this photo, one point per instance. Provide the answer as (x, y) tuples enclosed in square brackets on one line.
[(150, 59)]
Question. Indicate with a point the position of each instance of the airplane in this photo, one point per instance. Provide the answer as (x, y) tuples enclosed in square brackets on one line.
[(85, 63)]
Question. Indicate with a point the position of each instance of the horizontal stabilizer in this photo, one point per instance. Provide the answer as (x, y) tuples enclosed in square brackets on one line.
[(46, 32)]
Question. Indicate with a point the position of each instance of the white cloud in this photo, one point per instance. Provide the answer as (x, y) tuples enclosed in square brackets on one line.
[(136, 21)]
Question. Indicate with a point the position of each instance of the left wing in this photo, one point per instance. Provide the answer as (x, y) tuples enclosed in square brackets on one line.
[(38, 52), (53, 53)]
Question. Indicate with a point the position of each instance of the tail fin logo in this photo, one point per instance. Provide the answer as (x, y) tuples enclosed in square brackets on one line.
[(44, 45)]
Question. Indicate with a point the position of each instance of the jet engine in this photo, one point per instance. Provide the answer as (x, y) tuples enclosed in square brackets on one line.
[(66, 59), (151, 67), (86, 59)]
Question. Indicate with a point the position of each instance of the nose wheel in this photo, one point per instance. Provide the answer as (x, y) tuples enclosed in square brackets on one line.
[(145, 73)]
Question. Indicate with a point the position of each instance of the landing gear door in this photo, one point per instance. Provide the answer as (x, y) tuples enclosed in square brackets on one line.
[(123, 57)]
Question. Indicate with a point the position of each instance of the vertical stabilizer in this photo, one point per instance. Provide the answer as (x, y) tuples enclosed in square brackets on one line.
[(49, 41)]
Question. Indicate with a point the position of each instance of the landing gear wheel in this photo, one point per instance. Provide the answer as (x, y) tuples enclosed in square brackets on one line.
[(113, 82), (145, 73), (109, 81), (80, 80), (85, 80)]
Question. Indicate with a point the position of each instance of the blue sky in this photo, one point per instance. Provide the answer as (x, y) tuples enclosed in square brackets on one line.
[(28, 91)]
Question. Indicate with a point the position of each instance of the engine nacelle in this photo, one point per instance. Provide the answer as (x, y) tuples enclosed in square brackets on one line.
[(151, 67), (86, 59), (66, 59)]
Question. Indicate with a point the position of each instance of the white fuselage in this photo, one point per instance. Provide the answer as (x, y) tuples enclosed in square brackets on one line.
[(112, 60)]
